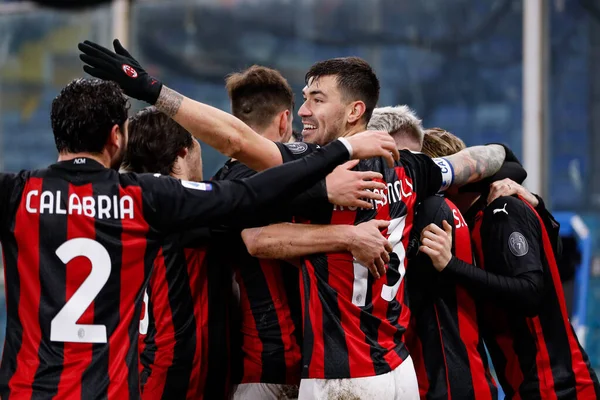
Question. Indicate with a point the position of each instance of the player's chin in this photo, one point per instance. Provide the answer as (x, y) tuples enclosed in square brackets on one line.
[(309, 136)]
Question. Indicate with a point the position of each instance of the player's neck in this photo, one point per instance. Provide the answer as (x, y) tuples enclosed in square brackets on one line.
[(271, 132), (180, 170), (354, 130), (100, 158)]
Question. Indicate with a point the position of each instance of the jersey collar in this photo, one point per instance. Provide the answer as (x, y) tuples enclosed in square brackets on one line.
[(80, 163)]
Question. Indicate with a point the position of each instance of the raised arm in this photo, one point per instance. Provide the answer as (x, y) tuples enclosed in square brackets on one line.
[(221, 130), (286, 240), (218, 129), (476, 163)]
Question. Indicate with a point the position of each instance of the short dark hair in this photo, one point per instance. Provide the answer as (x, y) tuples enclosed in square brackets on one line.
[(155, 140), (257, 94), (355, 78), (84, 113)]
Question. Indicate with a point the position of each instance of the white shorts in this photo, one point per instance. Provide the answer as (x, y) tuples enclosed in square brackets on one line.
[(265, 391), (399, 384)]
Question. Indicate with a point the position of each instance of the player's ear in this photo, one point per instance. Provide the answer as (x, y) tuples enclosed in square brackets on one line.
[(114, 137), (284, 117), (356, 110), (183, 152)]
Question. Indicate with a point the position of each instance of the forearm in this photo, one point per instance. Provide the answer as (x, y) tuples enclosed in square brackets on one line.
[(280, 184), (286, 240), (521, 293), (475, 163), (220, 130)]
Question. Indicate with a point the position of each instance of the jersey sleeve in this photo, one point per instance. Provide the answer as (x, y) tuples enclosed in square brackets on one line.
[(522, 293), (175, 204), (301, 204), (431, 210), (431, 175), (304, 204), (423, 281), (513, 271), (295, 151), (512, 234), (10, 194), (552, 226)]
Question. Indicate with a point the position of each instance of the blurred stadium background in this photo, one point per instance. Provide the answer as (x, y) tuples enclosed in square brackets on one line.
[(522, 72)]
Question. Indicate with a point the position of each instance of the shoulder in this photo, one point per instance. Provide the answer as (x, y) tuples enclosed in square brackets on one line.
[(434, 203), (414, 157), (237, 170), (146, 180), (511, 209), (432, 210), (233, 169)]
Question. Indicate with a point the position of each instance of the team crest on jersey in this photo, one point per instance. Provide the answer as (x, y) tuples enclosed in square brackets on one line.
[(197, 185), (518, 244), (297, 147)]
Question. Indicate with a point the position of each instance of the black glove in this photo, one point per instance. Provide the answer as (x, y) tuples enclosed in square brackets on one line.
[(121, 68)]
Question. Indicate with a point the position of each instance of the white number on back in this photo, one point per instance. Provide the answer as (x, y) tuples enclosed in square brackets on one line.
[(64, 326), (144, 322), (395, 272)]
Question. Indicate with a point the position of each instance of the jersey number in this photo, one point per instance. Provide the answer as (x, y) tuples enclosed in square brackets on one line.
[(146, 318), (64, 326), (395, 272)]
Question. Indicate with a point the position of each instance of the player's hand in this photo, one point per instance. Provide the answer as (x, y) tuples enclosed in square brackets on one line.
[(120, 67), (437, 244), (370, 144), (508, 187), (369, 247), (353, 188)]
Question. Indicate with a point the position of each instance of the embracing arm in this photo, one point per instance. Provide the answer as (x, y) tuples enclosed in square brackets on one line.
[(476, 163), (523, 292), (287, 240), (284, 241)]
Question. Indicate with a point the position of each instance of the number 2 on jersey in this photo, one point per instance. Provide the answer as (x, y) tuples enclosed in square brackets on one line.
[(64, 326), (395, 272)]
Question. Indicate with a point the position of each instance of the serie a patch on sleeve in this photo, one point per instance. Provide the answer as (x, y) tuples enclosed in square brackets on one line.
[(297, 147), (197, 185)]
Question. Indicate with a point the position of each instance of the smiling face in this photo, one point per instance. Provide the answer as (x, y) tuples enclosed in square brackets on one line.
[(339, 98), (323, 112)]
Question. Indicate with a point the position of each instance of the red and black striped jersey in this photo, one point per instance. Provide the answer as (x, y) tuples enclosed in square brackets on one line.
[(443, 335), (270, 321), (79, 241), (353, 323), (185, 300), (538, 356), (269, 308)]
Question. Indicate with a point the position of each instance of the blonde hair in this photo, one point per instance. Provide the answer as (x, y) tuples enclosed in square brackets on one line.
[(438, 142), (400, 121)]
